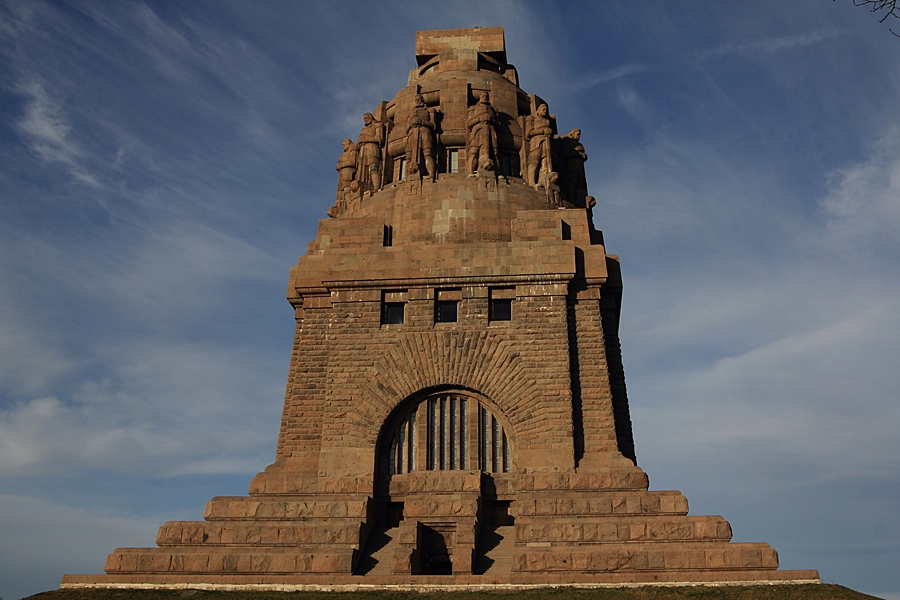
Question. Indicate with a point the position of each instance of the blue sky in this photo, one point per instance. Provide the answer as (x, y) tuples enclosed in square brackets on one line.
[(162, 165)]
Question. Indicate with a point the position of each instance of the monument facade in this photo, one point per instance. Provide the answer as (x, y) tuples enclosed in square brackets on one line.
[(456, 411)]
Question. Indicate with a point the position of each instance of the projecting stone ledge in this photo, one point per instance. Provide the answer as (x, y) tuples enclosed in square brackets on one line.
[(433, 583)]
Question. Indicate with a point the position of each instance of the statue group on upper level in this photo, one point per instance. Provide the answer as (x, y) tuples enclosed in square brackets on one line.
[(552, 163)]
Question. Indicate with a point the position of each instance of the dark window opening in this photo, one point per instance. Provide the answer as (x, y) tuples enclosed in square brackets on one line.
[(388, 236), (501, 309), (446, 311), (566, 231), (392, 313), (453, 161)]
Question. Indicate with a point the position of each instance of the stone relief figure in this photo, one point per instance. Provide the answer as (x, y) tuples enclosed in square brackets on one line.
[(549, 181), (574, 157), (346, 168), (347, 163), (487, 177), (539, 135), (370, 143), (420, 141), (482, 127)]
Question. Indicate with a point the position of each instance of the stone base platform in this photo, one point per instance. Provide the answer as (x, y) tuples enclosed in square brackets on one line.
[(471, 583)]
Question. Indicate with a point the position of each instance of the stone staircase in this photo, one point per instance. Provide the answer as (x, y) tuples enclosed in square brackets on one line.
[(497, 548), (378, 556)]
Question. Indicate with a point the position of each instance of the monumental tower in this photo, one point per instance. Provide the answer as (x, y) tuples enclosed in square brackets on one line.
[(455, 410)]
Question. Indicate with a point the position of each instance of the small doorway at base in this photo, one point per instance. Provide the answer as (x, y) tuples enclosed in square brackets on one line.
[(434, 550)]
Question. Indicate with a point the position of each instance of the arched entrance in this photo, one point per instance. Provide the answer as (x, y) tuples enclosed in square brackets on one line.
[(442, 456)]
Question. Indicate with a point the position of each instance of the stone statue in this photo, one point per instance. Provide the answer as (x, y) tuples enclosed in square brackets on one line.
[(482, 126), (346, 168), (539, 134), (574, 156), (347, 164), (370, 143), (420, 140), (549, 181), (487, 177)]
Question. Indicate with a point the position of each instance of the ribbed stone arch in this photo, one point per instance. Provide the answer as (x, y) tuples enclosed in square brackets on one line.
[(473, 360)]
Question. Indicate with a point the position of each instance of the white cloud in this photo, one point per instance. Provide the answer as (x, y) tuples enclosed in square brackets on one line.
[(816, 386), (864, 201), (164, 410), (29, 362), (593, 78), (47, 131), (44, 540), (769, 45), (632, 102)]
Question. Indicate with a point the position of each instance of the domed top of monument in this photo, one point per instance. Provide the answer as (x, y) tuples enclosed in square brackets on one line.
[(461, 132)]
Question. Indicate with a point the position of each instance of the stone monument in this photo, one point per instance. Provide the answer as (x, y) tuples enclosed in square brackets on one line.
[(456, 414)]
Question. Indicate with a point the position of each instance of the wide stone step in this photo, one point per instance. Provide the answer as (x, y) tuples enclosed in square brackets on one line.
[(600, 503), (281, 507), (316, 532), (611, 479), (645, 557), (229, 560), (617, 528)]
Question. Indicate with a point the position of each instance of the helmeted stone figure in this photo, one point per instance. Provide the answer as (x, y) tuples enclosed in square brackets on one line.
[(420, 141), (347, 164), (370, 143), (539, 136), (482, 127), (455, 402), (347, 184), (574, 156)]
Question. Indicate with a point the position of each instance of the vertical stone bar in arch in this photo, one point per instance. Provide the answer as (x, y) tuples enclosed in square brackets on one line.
[(421, 436)]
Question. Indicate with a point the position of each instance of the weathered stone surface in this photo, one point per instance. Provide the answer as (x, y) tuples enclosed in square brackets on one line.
[(456, 382)]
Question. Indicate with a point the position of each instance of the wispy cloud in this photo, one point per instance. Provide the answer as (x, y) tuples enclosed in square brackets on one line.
[(768, 45), (47, 132), (51, 539), (792, 394), (150, 410), (632, 102), (593, 78), (864, 200)]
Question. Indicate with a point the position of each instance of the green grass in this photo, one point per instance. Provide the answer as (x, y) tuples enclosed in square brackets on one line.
[(758, 592)]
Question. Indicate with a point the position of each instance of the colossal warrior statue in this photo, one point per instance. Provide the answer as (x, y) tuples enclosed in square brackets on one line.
[(539, 135), (419, 141), (370, 143), (347, 163), (455, 413), (347, 184), (574, 156), (482, 126)]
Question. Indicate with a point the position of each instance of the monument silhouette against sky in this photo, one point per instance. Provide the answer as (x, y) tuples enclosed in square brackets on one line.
[(456, 412)]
